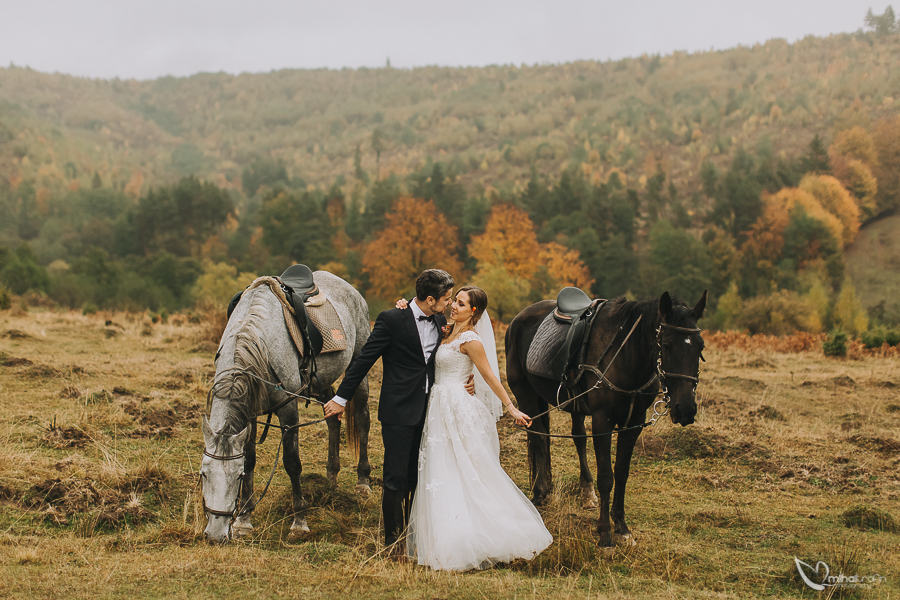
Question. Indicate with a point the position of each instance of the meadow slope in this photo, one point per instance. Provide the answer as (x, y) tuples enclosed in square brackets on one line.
[(793, 455)]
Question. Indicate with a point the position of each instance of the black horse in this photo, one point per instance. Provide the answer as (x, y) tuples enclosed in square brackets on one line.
[(664, 349)]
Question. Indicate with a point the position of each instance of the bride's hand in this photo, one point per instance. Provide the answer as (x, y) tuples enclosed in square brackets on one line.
[(401, 303), (520, 417)]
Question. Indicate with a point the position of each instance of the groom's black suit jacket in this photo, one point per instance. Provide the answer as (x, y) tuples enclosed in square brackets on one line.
[(395, 338)]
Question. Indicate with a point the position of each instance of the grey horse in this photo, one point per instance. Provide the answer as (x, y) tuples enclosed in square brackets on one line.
[(257, 346)]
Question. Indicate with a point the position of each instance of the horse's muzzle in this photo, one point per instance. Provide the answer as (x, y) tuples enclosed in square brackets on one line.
[(681, 417), (217, 540)]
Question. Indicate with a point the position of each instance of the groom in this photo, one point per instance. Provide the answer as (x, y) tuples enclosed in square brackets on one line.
[(407, 340)]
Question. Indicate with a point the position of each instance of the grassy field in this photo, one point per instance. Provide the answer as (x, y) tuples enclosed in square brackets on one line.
[(792, 455)]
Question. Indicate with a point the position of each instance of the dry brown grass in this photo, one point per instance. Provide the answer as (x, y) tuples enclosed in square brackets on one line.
[(793, 455)]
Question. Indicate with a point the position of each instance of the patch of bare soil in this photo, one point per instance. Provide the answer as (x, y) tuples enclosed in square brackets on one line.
[(834, 382), (881, 445), (701, 442), (64, 437), (154, 424), (58, 499), (760, 363), (748, 385), (767, 412), (41, 372), (12, 361), (652, 447), (884, 384), (187, 412), (15, 334), (70, 391), (159, 418)]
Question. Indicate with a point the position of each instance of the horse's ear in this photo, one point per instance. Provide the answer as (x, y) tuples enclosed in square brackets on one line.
[(239, 440), (701, 306), (208, 435), (665, 306)]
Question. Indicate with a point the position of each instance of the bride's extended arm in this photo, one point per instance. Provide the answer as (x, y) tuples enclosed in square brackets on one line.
[(475, 351)]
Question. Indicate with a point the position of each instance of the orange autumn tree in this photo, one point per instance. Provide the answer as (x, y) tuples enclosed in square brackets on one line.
[(565, 266), (853, 158), (508, 240), (791, 197), (514, 269), (417, 237), (836, 200)]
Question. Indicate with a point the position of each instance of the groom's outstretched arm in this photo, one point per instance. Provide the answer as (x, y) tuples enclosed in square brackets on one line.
[(377, 344)]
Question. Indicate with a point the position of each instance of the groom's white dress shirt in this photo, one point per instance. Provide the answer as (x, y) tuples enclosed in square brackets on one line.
[(428, 335)]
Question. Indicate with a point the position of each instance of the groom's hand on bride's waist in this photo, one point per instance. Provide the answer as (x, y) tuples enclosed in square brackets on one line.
[(470, 385)]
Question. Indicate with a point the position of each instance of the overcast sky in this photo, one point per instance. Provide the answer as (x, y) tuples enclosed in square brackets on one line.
[(145, 40)]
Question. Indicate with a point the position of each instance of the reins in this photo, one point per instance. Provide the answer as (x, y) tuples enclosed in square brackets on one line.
[(291, 396), (659, 376)]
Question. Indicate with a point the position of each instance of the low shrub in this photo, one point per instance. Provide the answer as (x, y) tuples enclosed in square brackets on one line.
[(836, 344)]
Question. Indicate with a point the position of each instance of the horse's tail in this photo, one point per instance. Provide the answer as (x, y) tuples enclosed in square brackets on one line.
[(350, 424)]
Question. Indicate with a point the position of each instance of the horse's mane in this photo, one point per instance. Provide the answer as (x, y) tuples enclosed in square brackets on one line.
[(625, 312), (243, 392)]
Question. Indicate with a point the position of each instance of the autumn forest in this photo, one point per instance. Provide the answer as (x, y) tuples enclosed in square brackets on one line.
[(751, 172)]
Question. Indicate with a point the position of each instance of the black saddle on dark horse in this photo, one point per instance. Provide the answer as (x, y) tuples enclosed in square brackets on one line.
[(559, 344), (298, 285)]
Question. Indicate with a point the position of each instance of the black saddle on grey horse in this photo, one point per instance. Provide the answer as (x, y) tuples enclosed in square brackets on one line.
[(298, 285), (558, 345)]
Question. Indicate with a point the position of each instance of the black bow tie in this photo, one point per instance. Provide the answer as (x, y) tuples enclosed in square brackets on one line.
[(428, 318)]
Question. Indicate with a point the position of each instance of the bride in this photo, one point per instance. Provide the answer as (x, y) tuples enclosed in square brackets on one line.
[(467, 512)]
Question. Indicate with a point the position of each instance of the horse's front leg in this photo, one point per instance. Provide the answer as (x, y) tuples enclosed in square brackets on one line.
[(602, 444), (624, 451), (243, 524), (294, 467), (588, 496), (539, 458), (362, 422)]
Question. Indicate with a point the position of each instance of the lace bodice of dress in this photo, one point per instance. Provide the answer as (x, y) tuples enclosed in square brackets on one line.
[(451, 365)]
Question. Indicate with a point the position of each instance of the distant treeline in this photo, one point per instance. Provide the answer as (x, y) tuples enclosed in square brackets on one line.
[(769, 245)]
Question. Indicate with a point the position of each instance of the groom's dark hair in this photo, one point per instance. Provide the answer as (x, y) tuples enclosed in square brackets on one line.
[(434, 283)]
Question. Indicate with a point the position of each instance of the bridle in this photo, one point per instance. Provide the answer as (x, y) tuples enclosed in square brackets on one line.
[(660, 406), (233, 513)]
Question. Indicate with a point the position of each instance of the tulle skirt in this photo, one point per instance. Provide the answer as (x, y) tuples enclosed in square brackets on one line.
[(467, 513)]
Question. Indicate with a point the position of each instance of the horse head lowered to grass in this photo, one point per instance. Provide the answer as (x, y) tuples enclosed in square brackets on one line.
[(259, 371), (610, 361)]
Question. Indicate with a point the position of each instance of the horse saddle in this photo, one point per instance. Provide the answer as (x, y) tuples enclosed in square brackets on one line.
[(558, 346), (299, 286)]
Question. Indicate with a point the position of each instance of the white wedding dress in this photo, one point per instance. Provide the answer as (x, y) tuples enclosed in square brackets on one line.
[(467, 513)]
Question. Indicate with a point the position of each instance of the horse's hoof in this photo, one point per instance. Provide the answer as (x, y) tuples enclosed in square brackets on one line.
[(363, 490), (332, 479), (607, 551), (243, 531), (590, 502), (299, 530), (624, 540)]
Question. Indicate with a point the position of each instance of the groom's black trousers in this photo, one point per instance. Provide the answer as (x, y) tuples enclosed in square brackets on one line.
[(401, 455), (401, 470)]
